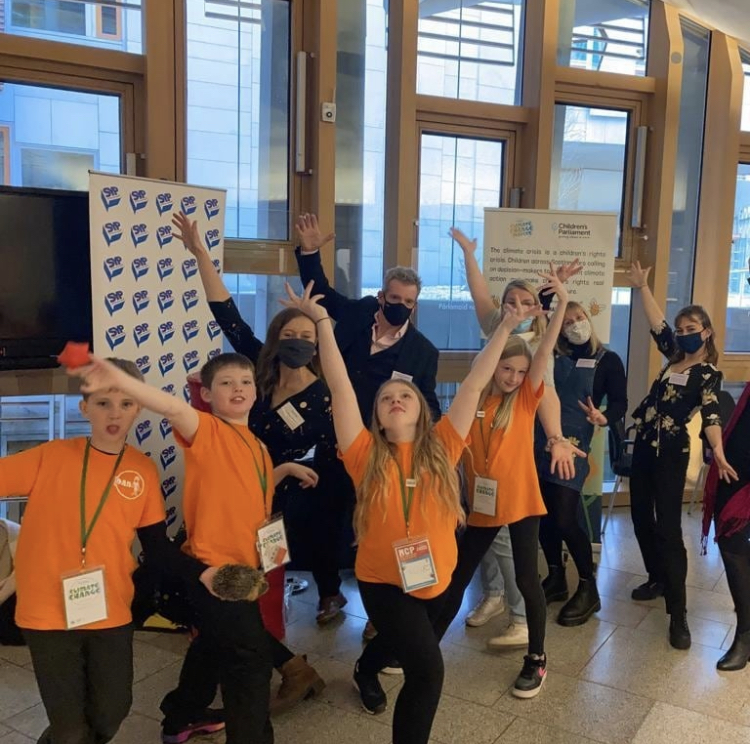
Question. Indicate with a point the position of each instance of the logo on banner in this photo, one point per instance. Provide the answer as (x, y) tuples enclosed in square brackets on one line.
[(115, 336), (163, 203), (213, 329), (190, 329), (110, 197), (141, 334), (139, 267), (213, 354), (168, 486), (171, 515), (164, 268), (164, 235), (140, 301), (213, 238), (186, 392), (190, 298), (168, 456), (138, 200), (189, 268), (165, 428), (166, 364), (143, 431), (144, 364), (190, 360), (571, 230), (166, 331), (112, 232), (168, 389), (217, 265), (114, 301), (138, 234), (165, 299), (113, 267), (212, 208), (188, 204), (522, 229)]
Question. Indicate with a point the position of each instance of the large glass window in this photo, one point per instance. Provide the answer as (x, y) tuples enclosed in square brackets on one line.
[(114, 24), (737, 337), (607, 36), (57, 136), (458, 178), (697, 41), (471, 49), (238, 60), (745, 57), (588, 160)]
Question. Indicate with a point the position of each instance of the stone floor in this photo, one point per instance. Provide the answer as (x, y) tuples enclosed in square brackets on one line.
[(614, 680)]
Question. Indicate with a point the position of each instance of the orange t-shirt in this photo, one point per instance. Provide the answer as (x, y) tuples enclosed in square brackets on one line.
[(49, 543), (376, 558), (223, 501), (508, 458)]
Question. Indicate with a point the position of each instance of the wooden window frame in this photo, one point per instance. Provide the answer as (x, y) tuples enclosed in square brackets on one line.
[(100, 33)]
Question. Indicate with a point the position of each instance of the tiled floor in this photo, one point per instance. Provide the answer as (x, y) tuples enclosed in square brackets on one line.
[(614, 680)]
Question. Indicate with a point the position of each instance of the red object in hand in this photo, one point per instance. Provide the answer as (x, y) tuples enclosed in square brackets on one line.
[(74, 355)]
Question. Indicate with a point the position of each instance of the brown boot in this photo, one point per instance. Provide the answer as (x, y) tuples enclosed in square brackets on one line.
[(298, 681)]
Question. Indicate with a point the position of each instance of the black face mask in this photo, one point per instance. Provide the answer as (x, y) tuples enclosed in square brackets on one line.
[(295, 352), (396, 313)]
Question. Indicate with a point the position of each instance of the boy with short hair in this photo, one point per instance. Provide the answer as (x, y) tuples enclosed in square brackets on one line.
[(229, 485), (87, 499)]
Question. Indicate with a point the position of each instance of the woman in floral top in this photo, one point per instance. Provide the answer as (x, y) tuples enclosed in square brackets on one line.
[(689, 381)]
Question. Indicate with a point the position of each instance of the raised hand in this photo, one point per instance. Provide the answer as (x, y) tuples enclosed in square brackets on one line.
[(593, 414), (188, 233), (466, 245), (638, 276), (307, 303), (99, 374), (308, 232), (513, 316), (565, 271), (553, 285)]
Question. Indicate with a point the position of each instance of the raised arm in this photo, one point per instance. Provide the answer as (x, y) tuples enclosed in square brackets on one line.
[(191, 239), (103, 375), (549, 339), (478, 287), (347, 421), (639, 279)]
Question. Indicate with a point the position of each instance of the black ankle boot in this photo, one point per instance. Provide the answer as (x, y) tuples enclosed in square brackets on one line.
[(582, 605), (679, 633), (737, 656), (555, 586)]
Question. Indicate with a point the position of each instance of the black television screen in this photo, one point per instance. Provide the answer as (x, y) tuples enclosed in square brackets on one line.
[(45, 275)]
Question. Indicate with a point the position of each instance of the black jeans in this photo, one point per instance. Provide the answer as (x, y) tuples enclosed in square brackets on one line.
[(232, 647), (472, 545), (657, 485), (405, 630), (561, 523), (85, 679)]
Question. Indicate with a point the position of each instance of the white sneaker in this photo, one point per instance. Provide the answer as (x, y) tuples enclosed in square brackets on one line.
[(516, 634), (488, 608)]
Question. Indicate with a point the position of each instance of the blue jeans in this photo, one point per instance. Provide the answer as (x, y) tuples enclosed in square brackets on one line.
[(498, 575)]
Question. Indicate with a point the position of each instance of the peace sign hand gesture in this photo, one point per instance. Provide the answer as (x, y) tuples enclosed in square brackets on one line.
[(593, 414)]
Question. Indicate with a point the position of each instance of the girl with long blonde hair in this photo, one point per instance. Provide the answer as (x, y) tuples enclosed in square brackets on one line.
[(408, 509)]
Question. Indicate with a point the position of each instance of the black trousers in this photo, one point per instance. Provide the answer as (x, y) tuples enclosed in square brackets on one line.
[(472, 545), (85, 679), (232, 647), (735, 553), (405, 631), (657, 485), (561, 523)]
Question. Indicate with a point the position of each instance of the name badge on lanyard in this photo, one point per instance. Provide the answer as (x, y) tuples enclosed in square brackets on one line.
[(485, 496), (415, 563), (290, 416), (84, 597), (586, 363), (273, 547)]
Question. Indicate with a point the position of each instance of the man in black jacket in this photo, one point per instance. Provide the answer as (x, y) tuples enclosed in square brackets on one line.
[(375, 334)]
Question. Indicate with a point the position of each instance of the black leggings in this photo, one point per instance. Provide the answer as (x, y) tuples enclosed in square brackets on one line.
[(405, 630), (561, 523), (472, 545), (735, 552)]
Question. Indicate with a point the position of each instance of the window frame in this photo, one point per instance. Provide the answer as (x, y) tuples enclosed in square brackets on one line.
[(5, 130), (100, 33)]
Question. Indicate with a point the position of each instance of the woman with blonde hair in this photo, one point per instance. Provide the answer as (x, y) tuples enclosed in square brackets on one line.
[(408, 509), (585, 373)]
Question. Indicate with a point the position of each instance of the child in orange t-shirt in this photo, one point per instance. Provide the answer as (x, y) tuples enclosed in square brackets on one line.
[(229, 485), (87, 499), (408, 508), (503, 487)]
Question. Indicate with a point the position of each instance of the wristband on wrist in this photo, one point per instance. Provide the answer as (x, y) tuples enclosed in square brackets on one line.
[(319, 320), (551, 441)]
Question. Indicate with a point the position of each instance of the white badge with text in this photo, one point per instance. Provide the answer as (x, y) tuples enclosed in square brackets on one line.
[(401, 376), (485, 496), (679, 378), (415, 563), (586, 363), (273, 547), (290, 416), (84, 597)]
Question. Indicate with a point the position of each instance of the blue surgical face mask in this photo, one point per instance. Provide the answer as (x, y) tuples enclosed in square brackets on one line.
[(524, 326), (690, 342)]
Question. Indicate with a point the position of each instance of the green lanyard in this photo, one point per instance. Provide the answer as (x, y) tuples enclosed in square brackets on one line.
[(86, 533), (485, 444), (262, 476), (407, 494)]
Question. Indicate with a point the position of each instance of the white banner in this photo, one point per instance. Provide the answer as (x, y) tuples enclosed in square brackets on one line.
[(147, 300), (520, 242)]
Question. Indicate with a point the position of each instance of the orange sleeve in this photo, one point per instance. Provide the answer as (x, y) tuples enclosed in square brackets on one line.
[(18, 473), (355, 457), (153, 506), (204, 434), (451, 439), (528, 397)]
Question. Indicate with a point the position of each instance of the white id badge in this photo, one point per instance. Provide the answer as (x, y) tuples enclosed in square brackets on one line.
[(485, 496), (84, 597), (415, 563), (401, 376), (679, 378), (273, 547), (586, 363), (290, 416)]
